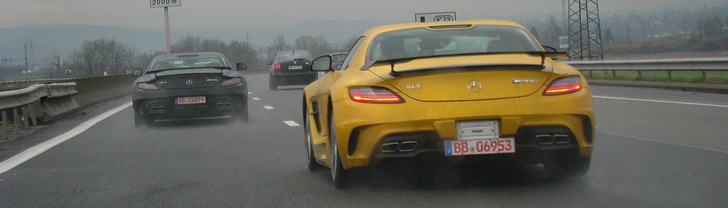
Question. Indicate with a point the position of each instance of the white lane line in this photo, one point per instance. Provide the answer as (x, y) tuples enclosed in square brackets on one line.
[(662, 142), (268, 107), (250, 93), (36, 150), (291, 123), (661, 101), (255, 98)]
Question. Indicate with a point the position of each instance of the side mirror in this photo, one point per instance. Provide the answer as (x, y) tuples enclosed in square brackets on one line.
[(558, 55), (322, 63), (136, 72), (241, 66), (550, 49), (269, 63)]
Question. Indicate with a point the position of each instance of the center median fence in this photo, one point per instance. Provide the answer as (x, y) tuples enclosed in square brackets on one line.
[(703, 74), (40, 103)]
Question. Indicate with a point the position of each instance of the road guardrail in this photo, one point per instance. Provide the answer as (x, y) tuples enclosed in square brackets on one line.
[(55, 98), (702, 65)]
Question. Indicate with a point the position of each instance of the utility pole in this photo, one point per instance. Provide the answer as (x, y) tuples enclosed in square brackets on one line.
[(26, 56)]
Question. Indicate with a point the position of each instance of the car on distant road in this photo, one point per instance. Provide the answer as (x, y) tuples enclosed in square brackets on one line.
[(337, 59), (452, 92), (187, 86), (291, 68)]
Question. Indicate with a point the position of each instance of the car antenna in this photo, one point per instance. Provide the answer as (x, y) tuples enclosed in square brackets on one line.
[(392, 72)]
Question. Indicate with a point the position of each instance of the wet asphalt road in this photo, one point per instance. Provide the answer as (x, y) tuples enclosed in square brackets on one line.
[(647, 154)]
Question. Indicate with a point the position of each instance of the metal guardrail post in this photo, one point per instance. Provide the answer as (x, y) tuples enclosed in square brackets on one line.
[(639, 75), (24, 113), (705, 77), (16, 118), (32, 115), (669, 76), (5, 124), (614, 74)]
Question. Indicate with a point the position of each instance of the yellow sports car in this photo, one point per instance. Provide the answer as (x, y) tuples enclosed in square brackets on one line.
[(458, 90)]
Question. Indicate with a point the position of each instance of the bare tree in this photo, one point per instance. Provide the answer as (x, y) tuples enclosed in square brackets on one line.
[(316, 45), (102, 55), (279, 43), (235, 51)]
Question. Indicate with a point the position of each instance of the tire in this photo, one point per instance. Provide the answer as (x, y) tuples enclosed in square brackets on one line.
[(338, 174), (273, 84), (243, 114), (312, 164), (141, 121)]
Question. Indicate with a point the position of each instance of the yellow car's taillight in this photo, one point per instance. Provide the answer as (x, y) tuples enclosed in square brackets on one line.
[(374, 95), (563, 86)]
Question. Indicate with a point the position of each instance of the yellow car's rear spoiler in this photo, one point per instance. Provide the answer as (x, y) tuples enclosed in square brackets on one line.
[(542, 54)]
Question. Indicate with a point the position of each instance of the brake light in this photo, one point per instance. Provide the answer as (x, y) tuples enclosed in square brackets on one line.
[(374, 95), (232, 81), (277, 67), (563, 86), (147, 86)]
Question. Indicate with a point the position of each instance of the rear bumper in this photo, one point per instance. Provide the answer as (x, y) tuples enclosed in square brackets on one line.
[(362, 135), (160, 104), (294, 78)]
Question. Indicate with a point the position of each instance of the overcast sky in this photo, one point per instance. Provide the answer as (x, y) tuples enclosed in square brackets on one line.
[(262, 14)]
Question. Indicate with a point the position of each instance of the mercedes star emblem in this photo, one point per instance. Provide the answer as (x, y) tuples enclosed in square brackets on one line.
[(475, 86), (189, 82)]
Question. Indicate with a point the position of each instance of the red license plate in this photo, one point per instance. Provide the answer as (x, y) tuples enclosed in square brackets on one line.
[(190, 100)]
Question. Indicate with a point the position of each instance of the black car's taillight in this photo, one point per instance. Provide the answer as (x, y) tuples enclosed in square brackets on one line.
[(147, 86), (232, 81)]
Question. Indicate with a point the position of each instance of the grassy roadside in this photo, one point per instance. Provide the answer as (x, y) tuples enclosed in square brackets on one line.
[(657, 76)]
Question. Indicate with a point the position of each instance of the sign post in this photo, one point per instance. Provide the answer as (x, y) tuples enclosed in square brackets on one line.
[(436, 17), (166, 4)]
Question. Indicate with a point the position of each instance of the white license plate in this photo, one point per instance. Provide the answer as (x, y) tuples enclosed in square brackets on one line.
[(295, 67), (472, 130), (190, 100), (480, 147)]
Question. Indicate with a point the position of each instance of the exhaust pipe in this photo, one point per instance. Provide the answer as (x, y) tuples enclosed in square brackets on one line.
[(562, 139), (408, 146), (389, 147), (545, 139)]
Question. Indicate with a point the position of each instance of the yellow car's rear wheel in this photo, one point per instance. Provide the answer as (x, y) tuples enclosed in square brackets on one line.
[(338, 174)]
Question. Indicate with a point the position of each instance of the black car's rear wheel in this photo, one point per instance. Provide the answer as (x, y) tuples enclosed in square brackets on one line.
[(338, 174), (141, 121), (243, 114), (273, 84)]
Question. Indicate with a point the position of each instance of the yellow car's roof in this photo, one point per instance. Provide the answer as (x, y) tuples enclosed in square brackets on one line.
[(403, 26)]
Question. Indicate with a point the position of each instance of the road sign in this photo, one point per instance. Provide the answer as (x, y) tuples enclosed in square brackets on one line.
[(563, 42), (435, 17), (165, 3)]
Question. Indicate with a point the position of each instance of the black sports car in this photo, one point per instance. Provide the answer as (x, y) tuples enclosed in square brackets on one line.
[(187, 86), (291, 68)]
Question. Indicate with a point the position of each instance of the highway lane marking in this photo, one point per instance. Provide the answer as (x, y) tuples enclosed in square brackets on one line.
[(250, 93), (662, 101), (268, 107), (255, 98), (291, 123), (661, 142), (36, 150)]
